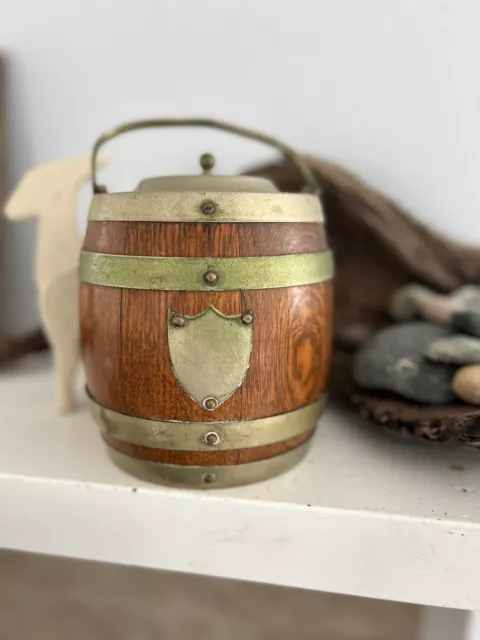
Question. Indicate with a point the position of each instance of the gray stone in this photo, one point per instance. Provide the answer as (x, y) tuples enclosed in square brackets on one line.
[(467, 298), (468, 322), (416, 301), (438, 309), (406, 301), (392, 360), (457, 349)]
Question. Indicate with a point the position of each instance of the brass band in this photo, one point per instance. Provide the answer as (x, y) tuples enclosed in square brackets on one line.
[(206, 436), (205, 274), (178, 206), (209, 477)]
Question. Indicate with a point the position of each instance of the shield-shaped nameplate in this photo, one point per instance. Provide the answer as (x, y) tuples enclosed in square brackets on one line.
[(210, 353)]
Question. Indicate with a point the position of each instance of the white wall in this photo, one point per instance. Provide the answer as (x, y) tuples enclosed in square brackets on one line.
[(388, 87)]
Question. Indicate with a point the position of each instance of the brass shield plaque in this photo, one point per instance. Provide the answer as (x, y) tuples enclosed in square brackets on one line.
[(210, 354)]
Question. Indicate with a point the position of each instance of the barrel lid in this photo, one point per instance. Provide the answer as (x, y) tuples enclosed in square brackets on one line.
[(206, 181)]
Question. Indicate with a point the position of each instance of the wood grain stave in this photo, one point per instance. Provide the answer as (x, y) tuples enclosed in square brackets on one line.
[(100, 320), (192, 239)]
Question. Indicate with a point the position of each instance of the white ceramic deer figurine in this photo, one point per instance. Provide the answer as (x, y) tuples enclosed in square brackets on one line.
[(49, 192)]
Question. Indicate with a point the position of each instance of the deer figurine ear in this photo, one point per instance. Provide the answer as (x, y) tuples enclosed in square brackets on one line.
[(23, 202), (45, 179)]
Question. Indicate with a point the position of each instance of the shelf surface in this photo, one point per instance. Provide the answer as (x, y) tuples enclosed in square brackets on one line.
[(366, 513)]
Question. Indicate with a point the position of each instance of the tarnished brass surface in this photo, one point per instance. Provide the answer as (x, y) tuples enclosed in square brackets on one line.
[(178, 206), (208, 182), (209, 477), (188, 274), (210, 354), (202, 183), (190, 436), (287, 151)]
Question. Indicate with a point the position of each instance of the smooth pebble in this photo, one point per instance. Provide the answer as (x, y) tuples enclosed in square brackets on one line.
[(457, 349), (405, 303), (467, 298), (466, 384), (415, 300), (392, 360), (468, 322), (437, 309)]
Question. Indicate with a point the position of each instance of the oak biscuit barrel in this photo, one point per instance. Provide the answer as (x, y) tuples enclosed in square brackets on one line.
[(206, 319)]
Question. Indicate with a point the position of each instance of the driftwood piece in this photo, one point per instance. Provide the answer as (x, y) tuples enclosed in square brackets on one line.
[(12, 348), (2, 132), (379, 247)]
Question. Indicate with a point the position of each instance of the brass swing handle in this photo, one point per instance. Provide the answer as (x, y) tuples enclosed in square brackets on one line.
[(288, 152)]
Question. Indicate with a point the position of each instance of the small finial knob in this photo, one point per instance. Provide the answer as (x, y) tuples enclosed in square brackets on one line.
[(207, 162)]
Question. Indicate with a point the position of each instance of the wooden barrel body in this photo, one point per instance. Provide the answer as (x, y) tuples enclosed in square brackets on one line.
[(206, 343)]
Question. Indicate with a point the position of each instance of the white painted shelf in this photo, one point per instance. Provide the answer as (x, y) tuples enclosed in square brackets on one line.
[(365, 514)]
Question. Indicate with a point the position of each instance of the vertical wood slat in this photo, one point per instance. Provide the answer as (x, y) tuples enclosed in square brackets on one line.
[(102, 331), (2, 147)]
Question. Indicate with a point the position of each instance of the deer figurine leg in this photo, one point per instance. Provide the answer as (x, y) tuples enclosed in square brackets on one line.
[(59, 309)]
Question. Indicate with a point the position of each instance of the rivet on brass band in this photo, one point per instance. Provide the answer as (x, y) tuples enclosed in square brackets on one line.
[(178, 321), (190, 436), (174, 206), (209, 477), (247, 318), (208, 208), (188, 274), (210, 403)]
